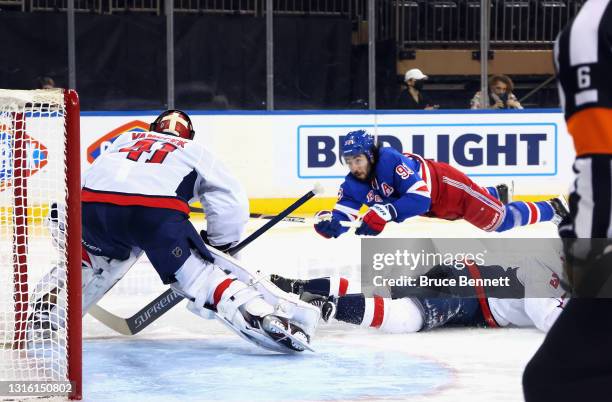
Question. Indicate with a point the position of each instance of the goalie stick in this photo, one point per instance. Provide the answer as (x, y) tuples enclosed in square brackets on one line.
[(164, 302)]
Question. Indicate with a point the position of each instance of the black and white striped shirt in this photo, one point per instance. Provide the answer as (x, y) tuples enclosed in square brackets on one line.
[(583, 60)]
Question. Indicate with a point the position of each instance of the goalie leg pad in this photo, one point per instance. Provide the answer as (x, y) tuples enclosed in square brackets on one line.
[(104, 274), (197, 280), (286, 306), (45, 318), (239, 305), (55, 278)]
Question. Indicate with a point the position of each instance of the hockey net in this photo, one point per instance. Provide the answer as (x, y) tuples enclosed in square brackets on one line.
[(40, 302)]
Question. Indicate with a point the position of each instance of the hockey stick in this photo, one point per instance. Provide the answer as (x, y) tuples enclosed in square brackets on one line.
[(297, 219), (164, 302), (351, 224)]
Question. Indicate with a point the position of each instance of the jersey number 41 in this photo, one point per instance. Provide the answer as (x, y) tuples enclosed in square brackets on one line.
[(135, 151)]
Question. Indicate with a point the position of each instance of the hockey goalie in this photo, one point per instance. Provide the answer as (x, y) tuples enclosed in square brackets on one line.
[(135, 200)]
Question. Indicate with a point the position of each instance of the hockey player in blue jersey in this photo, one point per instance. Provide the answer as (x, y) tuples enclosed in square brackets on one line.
[(398, 186)]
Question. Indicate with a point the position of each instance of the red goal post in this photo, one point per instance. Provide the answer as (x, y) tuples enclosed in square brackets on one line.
[(40, 266)]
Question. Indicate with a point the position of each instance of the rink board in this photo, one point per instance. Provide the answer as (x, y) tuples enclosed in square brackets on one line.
[(281, 155)]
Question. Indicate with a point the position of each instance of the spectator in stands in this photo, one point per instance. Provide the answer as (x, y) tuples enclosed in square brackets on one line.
[(46, 83), (500, 94), (412, 97)]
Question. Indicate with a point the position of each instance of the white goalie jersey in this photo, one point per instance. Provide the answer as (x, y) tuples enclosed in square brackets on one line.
[(184, 171)]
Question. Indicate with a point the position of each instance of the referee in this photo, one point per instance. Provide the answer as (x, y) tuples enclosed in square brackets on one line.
[(575, 361)]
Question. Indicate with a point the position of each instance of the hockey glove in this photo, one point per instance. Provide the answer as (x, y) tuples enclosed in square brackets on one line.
[(375, 219), (222, 247), (328, 226)]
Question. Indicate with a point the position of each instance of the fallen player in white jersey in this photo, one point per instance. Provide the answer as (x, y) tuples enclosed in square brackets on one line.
[(135, 200), (429, 310)]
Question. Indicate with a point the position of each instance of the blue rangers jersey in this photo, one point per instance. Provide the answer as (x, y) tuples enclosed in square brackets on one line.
[(397, 180)]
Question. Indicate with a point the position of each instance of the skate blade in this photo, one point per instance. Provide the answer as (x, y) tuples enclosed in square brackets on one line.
[(270, 326)]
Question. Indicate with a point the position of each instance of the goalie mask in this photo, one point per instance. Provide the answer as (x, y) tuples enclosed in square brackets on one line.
[(173, 122)]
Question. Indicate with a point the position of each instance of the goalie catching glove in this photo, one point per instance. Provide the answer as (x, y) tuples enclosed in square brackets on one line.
[(375, 219)]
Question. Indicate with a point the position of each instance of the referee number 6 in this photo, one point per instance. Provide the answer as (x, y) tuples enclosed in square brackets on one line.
[(584, 77)]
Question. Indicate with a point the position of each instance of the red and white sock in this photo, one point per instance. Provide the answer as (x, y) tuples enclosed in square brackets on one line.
[(375, 312), (338, 286)]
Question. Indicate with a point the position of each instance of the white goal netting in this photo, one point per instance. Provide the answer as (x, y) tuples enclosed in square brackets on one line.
[(33, 296)]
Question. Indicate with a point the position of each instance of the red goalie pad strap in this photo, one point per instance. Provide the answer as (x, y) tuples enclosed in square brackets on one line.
[(222, 287)]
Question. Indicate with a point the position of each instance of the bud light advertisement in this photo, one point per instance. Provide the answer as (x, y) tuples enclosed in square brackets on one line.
[(488, 149)]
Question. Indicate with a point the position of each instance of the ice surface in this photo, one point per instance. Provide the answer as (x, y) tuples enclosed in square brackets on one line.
[(228, 369), (182, 357)]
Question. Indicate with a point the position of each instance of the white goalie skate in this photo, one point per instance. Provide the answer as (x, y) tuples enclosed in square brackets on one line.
[(256, 322), (287, 333)]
